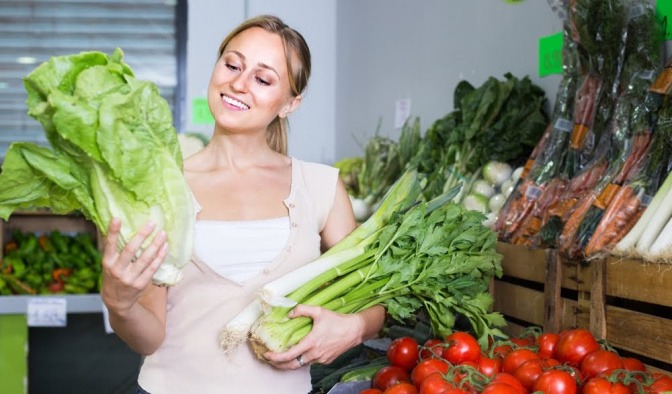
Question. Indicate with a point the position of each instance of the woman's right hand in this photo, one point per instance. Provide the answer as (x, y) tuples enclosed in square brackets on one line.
[(126, 276)]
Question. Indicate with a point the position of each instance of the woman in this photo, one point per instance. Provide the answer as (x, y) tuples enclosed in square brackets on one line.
[(260, 214)]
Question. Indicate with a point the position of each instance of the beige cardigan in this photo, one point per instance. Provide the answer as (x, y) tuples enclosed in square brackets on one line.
[(190, 359)]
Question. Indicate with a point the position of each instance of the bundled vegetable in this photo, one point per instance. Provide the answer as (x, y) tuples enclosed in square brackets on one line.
[(655, 211), (615, 42), (434, 257), (500, 121), (368, 178), (546, 160), (114, 153)]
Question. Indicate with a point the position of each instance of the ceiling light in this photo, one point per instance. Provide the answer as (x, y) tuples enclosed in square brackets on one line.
[(26, 60)]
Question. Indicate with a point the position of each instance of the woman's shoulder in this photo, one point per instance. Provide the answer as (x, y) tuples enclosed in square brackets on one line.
[(312, 167)]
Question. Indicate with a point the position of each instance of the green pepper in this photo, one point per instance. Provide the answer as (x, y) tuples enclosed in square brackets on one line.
[(18, 266), (60, 242), (28, 246), (74, 289)]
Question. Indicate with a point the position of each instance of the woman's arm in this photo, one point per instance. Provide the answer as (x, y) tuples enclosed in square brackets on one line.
[(332, 333), (137, 309), (341, 219)]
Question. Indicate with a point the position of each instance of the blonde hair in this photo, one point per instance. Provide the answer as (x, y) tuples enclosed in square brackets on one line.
[(299, 71)]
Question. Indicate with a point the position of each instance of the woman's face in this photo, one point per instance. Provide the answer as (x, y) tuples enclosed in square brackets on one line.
[(249, 85)]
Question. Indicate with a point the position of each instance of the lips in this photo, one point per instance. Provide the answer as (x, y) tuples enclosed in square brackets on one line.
[(235, 103)]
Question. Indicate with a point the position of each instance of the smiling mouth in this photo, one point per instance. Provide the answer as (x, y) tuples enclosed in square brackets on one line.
[(234, 102)]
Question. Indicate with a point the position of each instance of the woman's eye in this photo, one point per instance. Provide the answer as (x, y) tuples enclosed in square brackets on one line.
[(232, 67), (263, 81)]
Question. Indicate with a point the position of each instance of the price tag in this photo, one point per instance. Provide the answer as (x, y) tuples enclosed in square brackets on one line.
[(47, 312), (664, 10), (550, 55), (200, 112)]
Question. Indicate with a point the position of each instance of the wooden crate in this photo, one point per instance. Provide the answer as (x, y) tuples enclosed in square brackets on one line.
[(627, 302)]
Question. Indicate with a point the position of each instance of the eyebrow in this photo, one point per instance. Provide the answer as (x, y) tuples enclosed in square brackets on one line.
[(262, 65)]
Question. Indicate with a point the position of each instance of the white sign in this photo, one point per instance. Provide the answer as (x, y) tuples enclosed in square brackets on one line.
[(402, 112), (47, 312)]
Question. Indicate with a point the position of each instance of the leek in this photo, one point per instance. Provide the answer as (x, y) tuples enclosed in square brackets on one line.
[(436, 257)]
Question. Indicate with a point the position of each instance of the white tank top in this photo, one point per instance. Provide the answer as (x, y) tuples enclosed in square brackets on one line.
[(238, 250)]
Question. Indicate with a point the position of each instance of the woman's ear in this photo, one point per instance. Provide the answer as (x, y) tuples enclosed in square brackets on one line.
[(290, 107)]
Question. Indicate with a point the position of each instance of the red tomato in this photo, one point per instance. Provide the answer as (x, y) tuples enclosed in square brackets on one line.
[(633, 364), (462, 347), (510, 380), (489, 366), (600, 361), (403, 352), (390, 375), (662, 383), (402, 388), (574, 345), (516, 358), (426, 368), (499, 388), (547, 342), (600, 385), (522, 342), (555, 381), (432, 348), (371, 391), (435, 384), (528, 372)]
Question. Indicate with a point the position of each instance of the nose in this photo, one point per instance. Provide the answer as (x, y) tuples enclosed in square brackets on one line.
[(239, 83)]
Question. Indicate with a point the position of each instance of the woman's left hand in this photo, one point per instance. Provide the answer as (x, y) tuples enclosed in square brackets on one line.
[(332, 334)]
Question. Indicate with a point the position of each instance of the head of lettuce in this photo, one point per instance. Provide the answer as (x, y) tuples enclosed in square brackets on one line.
[(114, 153)]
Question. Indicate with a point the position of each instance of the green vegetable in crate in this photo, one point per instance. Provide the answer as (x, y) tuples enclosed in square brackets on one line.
[(50, 263), (114, 153)]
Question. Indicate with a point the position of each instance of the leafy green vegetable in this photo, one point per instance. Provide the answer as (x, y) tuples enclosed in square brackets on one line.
[(114, 153), (499, 120), (435, 257)]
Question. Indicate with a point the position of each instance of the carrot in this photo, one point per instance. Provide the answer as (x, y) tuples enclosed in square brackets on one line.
[(519, 206), (573, 222), (537, 218), (619, 217)]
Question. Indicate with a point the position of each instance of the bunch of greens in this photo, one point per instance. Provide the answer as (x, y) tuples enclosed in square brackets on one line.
[(114, 153), (498, 121), (433, 257), (385, 160)]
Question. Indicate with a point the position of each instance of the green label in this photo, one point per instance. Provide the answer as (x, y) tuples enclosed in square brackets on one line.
[(200, 112), (664, 10), (550, 55)]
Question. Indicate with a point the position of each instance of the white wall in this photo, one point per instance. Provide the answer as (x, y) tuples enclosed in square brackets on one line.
[(312, 135), (391, 49)]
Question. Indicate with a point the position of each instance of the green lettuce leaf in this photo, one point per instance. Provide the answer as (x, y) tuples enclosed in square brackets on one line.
[(113, 153)]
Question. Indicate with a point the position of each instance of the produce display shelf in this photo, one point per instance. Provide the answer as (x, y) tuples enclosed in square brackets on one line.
[(624, 301), (75, 303)]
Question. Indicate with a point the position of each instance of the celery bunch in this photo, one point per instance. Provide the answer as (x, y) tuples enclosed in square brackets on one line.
[(435, 257)]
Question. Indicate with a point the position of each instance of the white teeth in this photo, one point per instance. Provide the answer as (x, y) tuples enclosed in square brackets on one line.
[(234, 102)]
